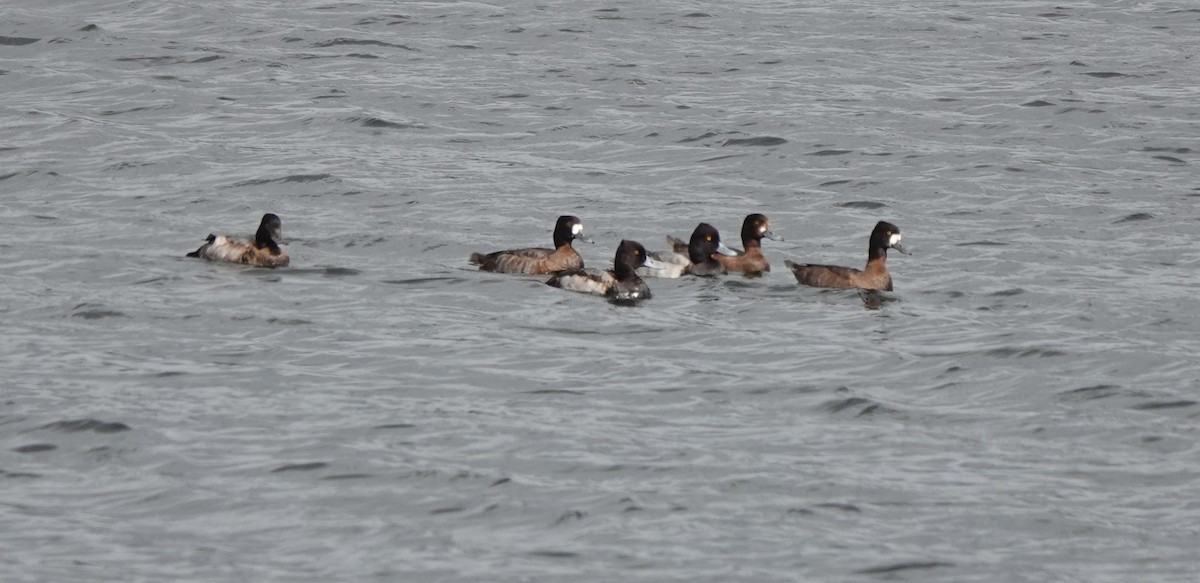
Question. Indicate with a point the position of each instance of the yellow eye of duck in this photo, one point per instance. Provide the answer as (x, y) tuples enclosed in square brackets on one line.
[(708, 238)]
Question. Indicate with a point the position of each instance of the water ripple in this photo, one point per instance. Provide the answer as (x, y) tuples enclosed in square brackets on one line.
[(432, 422)]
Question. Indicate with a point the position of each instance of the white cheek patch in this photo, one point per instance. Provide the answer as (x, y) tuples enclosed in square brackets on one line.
[(576, 229), (894, 239)]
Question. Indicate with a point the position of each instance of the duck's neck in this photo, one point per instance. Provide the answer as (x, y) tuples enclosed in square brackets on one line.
[(697, 255), (623, 271), (877, 254), (264, 240)]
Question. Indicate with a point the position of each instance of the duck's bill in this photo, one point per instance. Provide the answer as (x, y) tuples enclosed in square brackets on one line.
[(585, 238), (897, 246), (772, 236), (654, 264), (723, 250)]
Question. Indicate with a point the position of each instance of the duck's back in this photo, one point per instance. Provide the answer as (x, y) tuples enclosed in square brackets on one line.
[(837, 276), (602, 282), (675, 265), (532, 260), (589, 281), (238, 250), (750, 261)]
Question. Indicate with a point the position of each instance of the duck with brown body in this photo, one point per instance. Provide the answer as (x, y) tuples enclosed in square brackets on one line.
[(754, 228), (697, 259), (262, 251), (621, 283), (874, 276), (538, 260)]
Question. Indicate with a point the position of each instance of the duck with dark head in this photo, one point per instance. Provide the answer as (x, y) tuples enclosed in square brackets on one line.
[(754, 229), (874, 276), (538, 260), (262, 251), (619, 284), (704, 243)]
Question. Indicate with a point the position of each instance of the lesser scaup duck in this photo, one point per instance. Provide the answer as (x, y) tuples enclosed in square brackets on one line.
[(752, 260), (263, 251), (875, 276), (536, 261), (698, 260), (620, 283)]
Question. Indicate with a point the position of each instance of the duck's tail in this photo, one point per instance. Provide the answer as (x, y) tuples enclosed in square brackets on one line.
[(676, 245), (207, 242)]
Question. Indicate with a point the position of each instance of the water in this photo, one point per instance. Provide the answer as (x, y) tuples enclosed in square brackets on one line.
[(1023, 410)]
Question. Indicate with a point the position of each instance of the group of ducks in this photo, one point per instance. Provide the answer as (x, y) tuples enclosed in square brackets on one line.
[(702, 255)]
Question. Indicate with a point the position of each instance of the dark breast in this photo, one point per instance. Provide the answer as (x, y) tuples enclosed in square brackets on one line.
[(631, 289), (564, 258), (710, 267)]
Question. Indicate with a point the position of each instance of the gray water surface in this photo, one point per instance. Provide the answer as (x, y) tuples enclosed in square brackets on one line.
[(1023, 408)]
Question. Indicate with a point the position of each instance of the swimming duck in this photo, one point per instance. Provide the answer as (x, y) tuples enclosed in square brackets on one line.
[(875, 276), (698, 260), (263, 251), (752, 260), (620, 283), (535, 261)]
